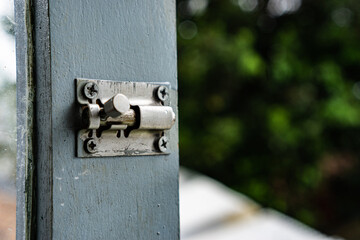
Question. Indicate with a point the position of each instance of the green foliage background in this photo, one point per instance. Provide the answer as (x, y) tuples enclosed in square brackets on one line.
[(270, 106)]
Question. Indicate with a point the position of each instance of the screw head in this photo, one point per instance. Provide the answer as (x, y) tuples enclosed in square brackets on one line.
[(91, 90), (163, 93), (163, 143), (91, 145)]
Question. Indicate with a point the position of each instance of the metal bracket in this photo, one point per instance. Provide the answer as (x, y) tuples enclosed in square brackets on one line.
[(123, 118)]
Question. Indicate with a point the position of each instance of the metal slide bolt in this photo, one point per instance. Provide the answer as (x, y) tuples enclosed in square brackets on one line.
[(91, 145), (163, 93), (91, 90), (163, 144)]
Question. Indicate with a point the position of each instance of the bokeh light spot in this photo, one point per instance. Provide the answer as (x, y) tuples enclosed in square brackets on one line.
[(279, 7), (356, 90), (248, 5), (197, 6), (187, 29), (342, 17)]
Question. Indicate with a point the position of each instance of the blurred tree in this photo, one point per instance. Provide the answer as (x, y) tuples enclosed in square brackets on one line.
[(269, 102), (8, 25), (7, 114)]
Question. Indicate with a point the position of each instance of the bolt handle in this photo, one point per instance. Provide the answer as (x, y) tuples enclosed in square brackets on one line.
[(117, 105)]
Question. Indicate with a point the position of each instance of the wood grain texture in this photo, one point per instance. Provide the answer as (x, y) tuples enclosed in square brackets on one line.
[(113, 197), (43, 116), (25, 117)]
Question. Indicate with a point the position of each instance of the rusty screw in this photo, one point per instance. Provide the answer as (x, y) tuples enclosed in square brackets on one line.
[(91, 145), (162, 93), (163, 144), (91, 90)]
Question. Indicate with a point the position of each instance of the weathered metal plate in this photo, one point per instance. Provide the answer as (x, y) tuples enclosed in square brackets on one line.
[(116, 142)]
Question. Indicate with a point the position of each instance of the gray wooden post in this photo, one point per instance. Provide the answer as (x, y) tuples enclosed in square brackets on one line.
[(61, 196), (25, 117)]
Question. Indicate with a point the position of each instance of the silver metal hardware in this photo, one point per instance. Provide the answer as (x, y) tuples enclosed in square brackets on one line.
[(91, 90), (162, 144), (117, 105), (91, 116), (90, 145), (124, 118), (156, 117), (163, 93)]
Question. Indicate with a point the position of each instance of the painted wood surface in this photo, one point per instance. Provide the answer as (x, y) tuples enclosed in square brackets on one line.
[(112, 197), (25, 117), (43, 123)]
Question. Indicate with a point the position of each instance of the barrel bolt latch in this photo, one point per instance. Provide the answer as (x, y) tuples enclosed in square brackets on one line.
[(124, 118)]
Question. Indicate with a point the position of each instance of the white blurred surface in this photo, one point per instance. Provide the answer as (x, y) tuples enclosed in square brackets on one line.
[(8, 98), (211, 211), (7, 44)]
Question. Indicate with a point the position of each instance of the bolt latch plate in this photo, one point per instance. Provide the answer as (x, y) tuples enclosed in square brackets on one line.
[(124, 118)]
